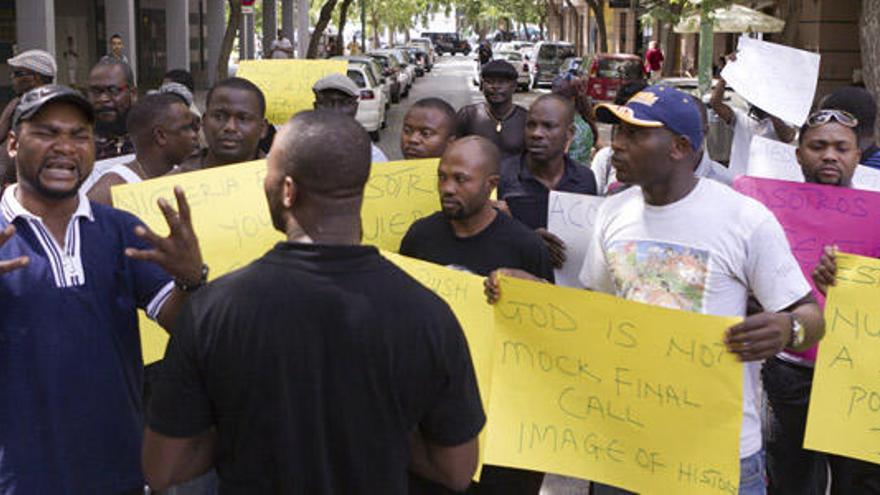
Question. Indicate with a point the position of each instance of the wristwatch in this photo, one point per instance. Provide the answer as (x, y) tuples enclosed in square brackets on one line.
[(203, 279), (798, 334)]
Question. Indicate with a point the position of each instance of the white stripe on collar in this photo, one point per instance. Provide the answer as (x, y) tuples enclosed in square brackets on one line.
[(11, 208), (66, 263)]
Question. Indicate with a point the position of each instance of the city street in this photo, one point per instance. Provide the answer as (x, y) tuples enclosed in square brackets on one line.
[(452, 80)]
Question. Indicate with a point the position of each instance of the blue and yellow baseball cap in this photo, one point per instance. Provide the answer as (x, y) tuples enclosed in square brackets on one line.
[(658, 106)]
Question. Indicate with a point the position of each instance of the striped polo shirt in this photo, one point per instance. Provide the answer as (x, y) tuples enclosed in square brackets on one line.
[(71, 371)]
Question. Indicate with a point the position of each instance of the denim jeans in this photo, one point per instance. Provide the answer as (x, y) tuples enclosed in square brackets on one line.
[(792, 469), (751, 479)]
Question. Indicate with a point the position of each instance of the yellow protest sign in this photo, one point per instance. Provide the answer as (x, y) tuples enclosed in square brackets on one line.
[(287, 84), (463, 292), (588, 385), (398, 194), (231, 217), (844, 415)]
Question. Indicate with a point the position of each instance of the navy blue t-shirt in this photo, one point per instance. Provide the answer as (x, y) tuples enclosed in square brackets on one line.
[(527, 197), (70, 356)]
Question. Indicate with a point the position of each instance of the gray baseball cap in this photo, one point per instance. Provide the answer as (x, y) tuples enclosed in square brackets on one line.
[(338, 82), (35, 99)]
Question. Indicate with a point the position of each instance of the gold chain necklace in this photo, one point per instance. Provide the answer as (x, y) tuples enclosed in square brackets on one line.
[(499, 122)]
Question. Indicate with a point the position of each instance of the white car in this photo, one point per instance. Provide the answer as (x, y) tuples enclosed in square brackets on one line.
[(405, 75), (371, 103), (523, 74)]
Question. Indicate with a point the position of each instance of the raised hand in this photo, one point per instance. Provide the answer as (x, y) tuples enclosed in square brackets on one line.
[(7, 266), (179, 253)]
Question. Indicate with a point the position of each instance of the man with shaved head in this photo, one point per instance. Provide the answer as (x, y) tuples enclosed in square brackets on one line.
[(321, 367), (470, 234), (163, 130), (527, 179)]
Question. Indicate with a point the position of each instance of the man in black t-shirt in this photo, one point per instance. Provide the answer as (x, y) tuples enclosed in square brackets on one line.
[(320, 368), (470, 234), (499, 119)]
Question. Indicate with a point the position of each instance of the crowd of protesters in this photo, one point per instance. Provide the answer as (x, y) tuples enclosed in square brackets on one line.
[(321, 367)]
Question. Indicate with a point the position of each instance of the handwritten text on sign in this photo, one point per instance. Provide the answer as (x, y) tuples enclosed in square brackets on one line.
[(844, 416), (231, 217), (463, 292), (815, 216), (287, 84), (589, 385), (571, 217)]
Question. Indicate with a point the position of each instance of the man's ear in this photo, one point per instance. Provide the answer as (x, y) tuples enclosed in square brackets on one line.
[(264, 129), (288, 192), (12, 144), (159, 136), (681, 147)]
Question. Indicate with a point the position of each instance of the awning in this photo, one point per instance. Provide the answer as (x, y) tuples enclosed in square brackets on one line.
[(734, 19)]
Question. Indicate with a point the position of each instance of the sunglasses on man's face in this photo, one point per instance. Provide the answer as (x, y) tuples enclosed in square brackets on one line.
[(822, 117), (23, 73)]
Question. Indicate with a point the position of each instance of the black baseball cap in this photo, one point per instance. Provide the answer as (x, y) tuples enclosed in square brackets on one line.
[(35, 99), (498, 68)]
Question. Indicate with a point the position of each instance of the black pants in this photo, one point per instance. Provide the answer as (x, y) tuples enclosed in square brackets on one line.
[(791, 468), (494, 480)]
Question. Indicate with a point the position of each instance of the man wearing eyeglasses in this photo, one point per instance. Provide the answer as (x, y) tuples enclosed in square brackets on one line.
[(30, 69), (111, 91), (828, 152)]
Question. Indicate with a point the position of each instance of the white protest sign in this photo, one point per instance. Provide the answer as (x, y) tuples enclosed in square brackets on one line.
[(571, 217), (778, 79), (772, 159), (866, 178)]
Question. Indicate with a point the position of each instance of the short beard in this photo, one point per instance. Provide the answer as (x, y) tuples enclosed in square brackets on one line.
[(115, 128)]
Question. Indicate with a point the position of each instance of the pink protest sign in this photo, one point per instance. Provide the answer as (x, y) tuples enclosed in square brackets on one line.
[(815, 216)]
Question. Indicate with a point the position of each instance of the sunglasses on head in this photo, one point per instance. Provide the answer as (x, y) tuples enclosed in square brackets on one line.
[(824, 116)]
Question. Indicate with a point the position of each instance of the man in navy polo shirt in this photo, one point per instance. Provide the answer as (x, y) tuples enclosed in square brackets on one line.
[(527, 179), (72, 275)]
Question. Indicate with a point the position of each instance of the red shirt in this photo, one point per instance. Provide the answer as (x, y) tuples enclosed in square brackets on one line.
[(654, 57)]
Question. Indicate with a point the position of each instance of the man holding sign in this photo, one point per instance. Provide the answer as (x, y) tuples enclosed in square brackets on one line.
[(756, 122), (828, 153), (663, 244)]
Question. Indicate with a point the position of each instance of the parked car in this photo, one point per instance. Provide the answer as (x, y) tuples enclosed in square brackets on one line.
[(448, 43), (720, 136), (427, 46), (376, 70), (371, 103), (516, 59), (416, 58), (549, 56), (407, 72), (607, 72), (391, 70)]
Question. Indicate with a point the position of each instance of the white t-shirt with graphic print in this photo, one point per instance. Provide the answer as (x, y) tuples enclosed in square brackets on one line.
[(702, 253)]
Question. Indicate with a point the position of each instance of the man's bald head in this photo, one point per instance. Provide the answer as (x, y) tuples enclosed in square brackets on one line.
[(466, 176), (563, 104), (477, 150), (325, 152)]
